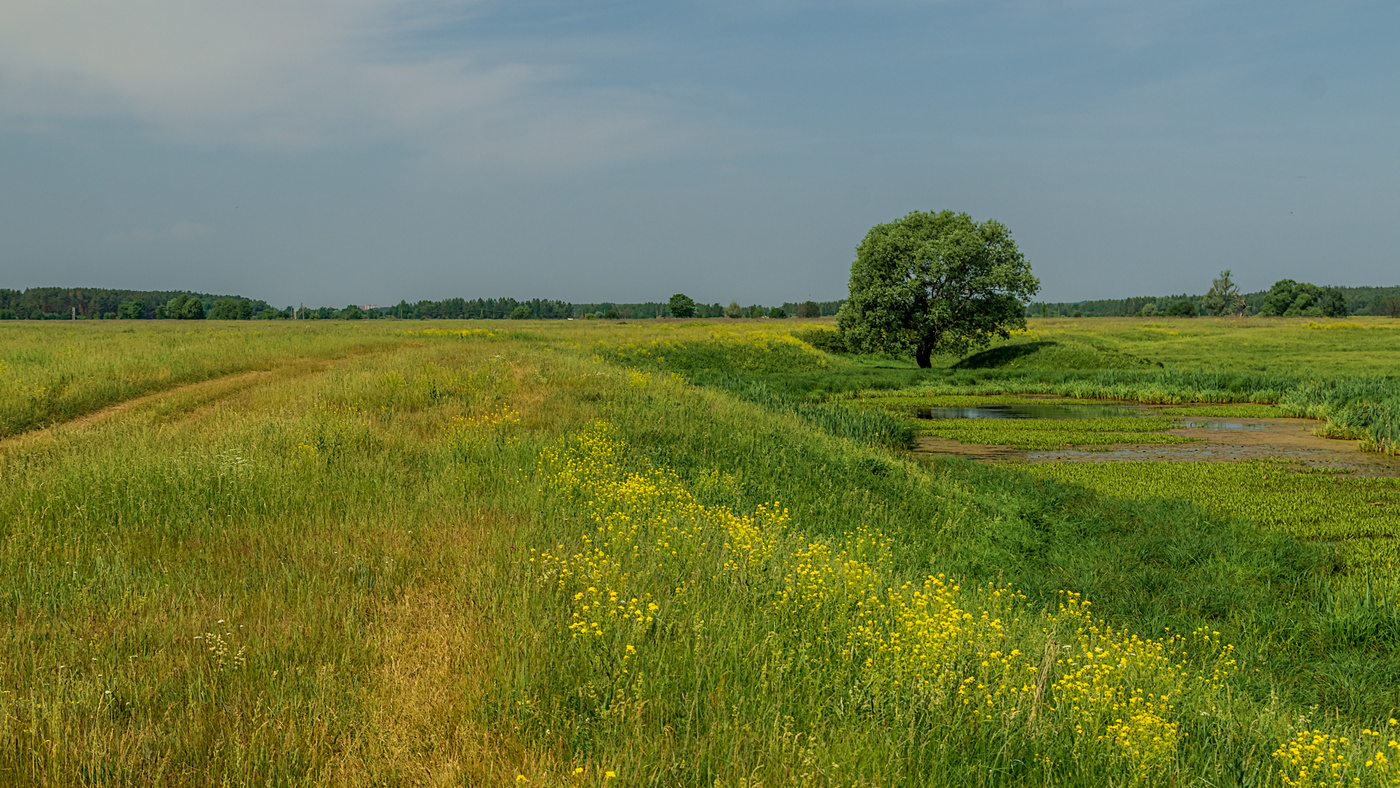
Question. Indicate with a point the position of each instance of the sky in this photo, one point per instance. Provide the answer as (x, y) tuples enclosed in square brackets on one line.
[(368, 151)]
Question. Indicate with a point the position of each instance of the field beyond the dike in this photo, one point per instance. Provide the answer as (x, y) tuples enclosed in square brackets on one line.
[(698, 552)]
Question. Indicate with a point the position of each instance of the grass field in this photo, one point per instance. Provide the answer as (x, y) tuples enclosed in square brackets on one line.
[(665, 554)]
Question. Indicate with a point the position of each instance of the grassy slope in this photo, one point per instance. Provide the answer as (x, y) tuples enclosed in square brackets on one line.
[(363, 545)]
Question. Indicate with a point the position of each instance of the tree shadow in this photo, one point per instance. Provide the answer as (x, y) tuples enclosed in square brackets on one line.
[(1001, 356)]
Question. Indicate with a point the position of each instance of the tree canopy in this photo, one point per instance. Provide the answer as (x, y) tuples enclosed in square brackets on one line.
[(182, 307), (1288, 298), (231, 309), (682, 305), (1224, 297), (1182, 308), (935, 283)]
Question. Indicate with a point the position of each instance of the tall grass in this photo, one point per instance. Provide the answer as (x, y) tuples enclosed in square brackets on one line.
[(53, 372), (326, 579), (696, 625), (265, 591)]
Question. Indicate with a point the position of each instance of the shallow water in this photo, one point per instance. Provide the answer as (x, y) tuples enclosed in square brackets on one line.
[(1215, 424), (1035, 412)]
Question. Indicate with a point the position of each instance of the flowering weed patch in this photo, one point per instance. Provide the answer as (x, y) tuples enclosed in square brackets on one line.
[(657, 592)]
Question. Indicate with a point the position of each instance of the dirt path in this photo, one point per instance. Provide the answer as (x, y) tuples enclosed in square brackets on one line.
[(1248, 439), (212, 390)]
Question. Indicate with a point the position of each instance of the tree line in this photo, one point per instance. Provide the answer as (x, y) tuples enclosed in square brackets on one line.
[(96, 303), (68, 303), (1286, 298)]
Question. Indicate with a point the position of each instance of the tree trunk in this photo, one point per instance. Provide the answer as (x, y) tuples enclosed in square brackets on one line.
[(924, 355)]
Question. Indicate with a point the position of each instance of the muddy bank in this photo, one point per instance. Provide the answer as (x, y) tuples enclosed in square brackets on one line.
[(1218, 440)]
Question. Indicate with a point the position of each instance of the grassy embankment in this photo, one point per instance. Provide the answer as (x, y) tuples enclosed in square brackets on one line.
[(328, 579)]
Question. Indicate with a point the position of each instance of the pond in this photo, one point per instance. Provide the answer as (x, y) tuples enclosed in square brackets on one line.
[(1030, 411), (1224, 425)]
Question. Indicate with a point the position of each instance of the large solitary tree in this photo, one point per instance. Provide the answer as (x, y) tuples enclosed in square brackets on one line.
[(935, 283)]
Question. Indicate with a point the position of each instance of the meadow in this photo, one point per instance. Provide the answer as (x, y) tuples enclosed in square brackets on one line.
[(671, 553)]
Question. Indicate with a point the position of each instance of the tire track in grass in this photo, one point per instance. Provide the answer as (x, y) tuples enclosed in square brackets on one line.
[(199, 394)]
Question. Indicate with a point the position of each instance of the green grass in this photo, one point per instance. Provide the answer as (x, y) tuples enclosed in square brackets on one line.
[(324, 578), (904, 402), (1307, 504), (1244, 411), (52, 372), (1057, 354), (1054, 433), (1323, 348), (1340, 372)]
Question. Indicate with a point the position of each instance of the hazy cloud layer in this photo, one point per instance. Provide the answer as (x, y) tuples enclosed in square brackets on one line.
[(371, 150), (281, 75)]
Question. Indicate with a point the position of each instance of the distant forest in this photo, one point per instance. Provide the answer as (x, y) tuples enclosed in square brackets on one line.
[(92, 303), (1384, 301)]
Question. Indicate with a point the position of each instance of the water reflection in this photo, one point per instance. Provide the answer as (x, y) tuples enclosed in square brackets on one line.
[(1034, 412), (1223, 425)]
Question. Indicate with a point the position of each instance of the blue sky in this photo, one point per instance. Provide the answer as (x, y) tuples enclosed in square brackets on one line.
[(364, 151)]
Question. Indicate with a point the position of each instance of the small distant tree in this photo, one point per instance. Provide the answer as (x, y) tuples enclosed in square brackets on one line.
[(777, 313), (183, 307), (733, 310), (1279, 298), (681, 305), (1182, 308), (809, 309), (231, 309), (170, 310), (1149, 309), (521, 312), (611, 314), (1288, 298), (1389, 306), (224, 309), (1224, 297), (131, 310), (351, 312), (1331, 301)]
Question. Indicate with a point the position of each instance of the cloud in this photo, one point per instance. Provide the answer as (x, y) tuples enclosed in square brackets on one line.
[(290, 75)]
